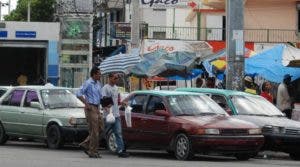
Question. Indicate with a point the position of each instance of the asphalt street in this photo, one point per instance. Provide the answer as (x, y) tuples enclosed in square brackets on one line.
[(28, 154)]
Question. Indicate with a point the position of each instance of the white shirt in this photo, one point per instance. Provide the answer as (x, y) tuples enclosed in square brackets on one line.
[(112, 91), (49, 84), (283, 98)]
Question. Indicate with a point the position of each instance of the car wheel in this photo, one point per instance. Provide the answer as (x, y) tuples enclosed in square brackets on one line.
[(295, 156), (243, 157), (3, 136), (54, 137), (111, 142), (183, 147)]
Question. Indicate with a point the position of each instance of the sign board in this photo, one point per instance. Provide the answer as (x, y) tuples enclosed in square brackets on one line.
[(25, 34), (3, 34), (238, 36), (164, 3), (121, 30), (201, 48)]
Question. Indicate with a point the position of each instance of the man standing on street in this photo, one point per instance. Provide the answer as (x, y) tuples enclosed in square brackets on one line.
[(111, 90), (90, 95), (283, 97)]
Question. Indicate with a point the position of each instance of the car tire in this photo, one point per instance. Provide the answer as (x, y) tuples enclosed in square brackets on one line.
[(111, 142), (3, 135), (183, 147), (243, 157), (54, 137), (295, 156)]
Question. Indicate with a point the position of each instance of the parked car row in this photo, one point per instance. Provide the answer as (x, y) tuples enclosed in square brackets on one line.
[(185, 123), (182, 122), (281, 133)]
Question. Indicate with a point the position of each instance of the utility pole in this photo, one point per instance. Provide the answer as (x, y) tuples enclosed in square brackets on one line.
[(28, 11), (235, 44), (135, 24), (2, 5)]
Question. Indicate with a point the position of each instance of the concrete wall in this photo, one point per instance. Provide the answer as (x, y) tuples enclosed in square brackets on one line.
[(271, 14), (153, 18)]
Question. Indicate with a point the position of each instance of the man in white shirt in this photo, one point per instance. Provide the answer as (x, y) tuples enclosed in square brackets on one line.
[(111, 90), (283, 98)]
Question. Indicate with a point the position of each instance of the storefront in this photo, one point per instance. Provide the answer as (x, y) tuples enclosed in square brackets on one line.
[(31, 48)]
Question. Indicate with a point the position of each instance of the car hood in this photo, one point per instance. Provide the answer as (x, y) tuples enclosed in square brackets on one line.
[(218, 121), (266, 120), (67, 112)]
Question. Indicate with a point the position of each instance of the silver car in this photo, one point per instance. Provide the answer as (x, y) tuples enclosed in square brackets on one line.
[(37, 112)]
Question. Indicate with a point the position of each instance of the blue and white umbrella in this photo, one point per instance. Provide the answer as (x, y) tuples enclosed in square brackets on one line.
[(119, 63)]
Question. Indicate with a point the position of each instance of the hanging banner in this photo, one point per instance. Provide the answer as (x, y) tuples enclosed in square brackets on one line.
[(162, 4), (201, 48)]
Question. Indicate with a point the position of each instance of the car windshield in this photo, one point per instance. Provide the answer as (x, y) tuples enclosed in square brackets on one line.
[(193, 105), (60, 98), (254, 105)]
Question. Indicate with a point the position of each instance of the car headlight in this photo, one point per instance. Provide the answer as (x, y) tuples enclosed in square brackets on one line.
[(77, 121), (212, 131), (256, 131)]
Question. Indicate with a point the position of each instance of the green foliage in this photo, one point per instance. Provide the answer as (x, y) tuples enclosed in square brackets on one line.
[(41, 10)]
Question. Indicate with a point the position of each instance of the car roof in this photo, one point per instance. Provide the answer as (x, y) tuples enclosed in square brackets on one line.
[(212, 90), (39, 87), (6, 87), (163, 92)]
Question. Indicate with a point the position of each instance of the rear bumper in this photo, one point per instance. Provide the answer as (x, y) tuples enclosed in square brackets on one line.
[(74, 134), (285, 143), (227, 144)]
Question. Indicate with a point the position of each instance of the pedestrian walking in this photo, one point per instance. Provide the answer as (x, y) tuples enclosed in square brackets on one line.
[(266, 91), (111, 90), (284, 102), (90, 95)]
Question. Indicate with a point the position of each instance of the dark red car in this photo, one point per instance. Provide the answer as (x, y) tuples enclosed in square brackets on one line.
[(185, 123)]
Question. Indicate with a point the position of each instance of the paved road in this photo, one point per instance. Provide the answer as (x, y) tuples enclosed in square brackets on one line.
[(25, 154)]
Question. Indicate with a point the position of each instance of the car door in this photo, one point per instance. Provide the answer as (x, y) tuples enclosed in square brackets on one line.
[(10, 111), (137, 103), (31, 116), (154, 128)]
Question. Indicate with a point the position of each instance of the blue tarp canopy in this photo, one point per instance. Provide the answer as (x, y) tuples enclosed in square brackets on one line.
[(268, 64)]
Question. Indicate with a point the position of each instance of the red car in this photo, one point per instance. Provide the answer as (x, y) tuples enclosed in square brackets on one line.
[(184, 123)]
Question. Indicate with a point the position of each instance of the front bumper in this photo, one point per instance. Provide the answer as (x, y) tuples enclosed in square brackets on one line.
[(227, 144), (279, 142), (74, 134)]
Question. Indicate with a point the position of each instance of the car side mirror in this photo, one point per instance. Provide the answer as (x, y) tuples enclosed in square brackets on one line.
[(163, 113), (35, 104)]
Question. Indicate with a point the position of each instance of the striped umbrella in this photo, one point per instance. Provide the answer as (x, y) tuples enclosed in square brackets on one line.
[(119, 63)]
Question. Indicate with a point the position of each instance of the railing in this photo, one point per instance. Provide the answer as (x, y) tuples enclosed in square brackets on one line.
[(219, 34)]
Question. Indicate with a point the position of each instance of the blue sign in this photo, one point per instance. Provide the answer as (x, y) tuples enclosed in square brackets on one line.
[(3, 34), (25, 34)]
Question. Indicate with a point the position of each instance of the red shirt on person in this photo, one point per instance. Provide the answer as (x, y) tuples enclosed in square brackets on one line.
[(267, 96)]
